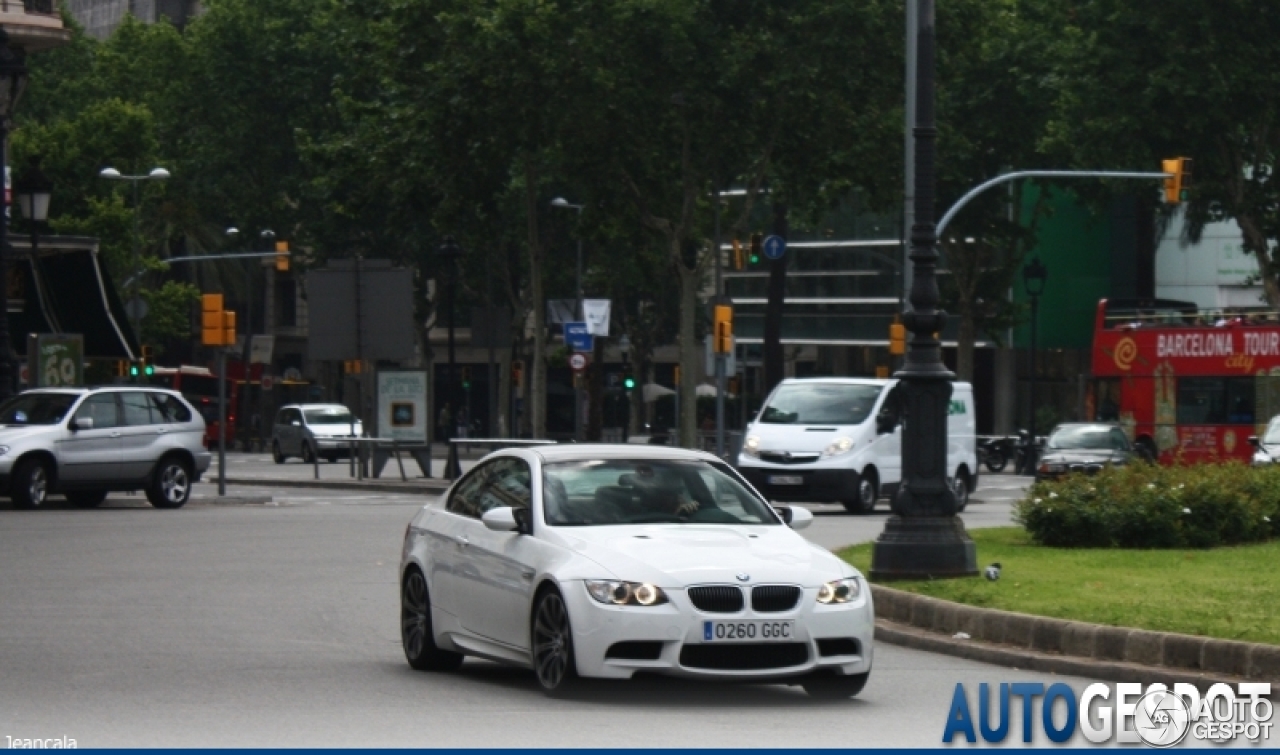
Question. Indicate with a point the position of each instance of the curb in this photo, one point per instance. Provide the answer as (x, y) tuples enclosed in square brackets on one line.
[(429, 487), (1067, 647), (233, 500)]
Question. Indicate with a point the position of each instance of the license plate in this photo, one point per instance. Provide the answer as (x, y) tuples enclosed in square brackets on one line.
[(785, 479), (748, 631)]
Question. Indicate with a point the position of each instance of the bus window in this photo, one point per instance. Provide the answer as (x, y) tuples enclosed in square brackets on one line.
[(1107, 400), (1215, 401)]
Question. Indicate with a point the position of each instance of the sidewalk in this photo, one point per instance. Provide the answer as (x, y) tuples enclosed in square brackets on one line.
[(258, 470)]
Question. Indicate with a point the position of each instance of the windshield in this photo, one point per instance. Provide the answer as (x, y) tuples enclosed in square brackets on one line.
[(36, 408), (1273, 433), (1090, 437), (821, 404), (334, 416), (585, 493)]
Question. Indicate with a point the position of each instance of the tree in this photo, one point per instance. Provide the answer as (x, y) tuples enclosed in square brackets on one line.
[(1138, 82)]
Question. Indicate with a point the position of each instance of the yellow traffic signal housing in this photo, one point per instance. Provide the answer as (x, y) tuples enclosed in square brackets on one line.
[(676, 379), (757, 247), (282, 256), (739, 261), (353, 366), (228, 328), (723, 329), (897, 339), (1178, 183), (122, 368), (211, 331)]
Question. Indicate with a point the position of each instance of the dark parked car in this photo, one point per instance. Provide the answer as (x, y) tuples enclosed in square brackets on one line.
[(1083, 447)]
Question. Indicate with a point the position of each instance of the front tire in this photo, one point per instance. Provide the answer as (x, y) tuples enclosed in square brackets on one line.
[(960, 486), (865, 494), (170, 484), (416, 633), (87, 499), (996, 460), (553, 661), (308, 453), (832, 687), (30, 484), (276, 455)]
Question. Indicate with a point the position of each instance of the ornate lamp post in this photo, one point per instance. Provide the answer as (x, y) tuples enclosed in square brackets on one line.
[(33, 191), (13, 79), (924, 538), (1034, 275)]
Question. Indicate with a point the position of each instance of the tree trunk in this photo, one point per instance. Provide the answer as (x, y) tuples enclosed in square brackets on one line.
[(689, 353), (1256, 242), (536, 404), (774, 360)]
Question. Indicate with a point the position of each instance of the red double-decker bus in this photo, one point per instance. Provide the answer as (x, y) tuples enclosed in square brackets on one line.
[(1187, 384), (200, 386)]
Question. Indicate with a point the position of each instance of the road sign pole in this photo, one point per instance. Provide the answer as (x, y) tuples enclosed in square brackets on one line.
[(222, 422)]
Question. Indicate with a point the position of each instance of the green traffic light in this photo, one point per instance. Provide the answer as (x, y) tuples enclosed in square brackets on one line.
[(133, 370), (755, 259), (151, 370), (629, 383)]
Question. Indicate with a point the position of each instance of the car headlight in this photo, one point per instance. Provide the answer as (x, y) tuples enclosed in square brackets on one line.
[(751, 446), (840, 591), (1053, 468), (616, 593), (838, 446)]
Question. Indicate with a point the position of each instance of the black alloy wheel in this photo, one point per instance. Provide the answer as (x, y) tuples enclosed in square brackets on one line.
[(30, 484), (826, 686), (170, 484), (276, 454), (553, 662), (864, 496), (416, 634), (87, 499)]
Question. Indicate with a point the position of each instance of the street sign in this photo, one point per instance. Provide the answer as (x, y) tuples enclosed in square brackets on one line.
[(577, 336), (268, 382), (775, 247), (578, 362), (136, 308)]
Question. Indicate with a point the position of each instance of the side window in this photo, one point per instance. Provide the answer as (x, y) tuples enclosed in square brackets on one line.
[(282, 417), (169, 408), (101, 408), (465, 500), (137, 409), (509, 485)]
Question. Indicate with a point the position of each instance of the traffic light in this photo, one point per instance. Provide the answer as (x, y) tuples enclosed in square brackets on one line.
[(723, 329), (353, 366), (147, 367), (517, 372), (757, 246), (134, 368), (733, 386), (1178, 183), (466, 378), (211, 320), (282, 256), (676, 377), (122, 368), (628, 382), (897, 339), (739, 261)]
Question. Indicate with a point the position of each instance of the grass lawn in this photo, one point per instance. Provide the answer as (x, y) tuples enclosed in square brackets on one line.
[(1229, 593)]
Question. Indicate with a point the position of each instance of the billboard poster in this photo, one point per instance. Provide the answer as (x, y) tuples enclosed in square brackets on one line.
[(402, 405), (58, 362)]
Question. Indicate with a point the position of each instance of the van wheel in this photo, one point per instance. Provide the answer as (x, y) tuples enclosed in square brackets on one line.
[(308, 455), (960, 486), (276, 454), (864, 495)]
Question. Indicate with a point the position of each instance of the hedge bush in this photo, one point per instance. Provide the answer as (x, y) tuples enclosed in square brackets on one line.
[(1151, 506)]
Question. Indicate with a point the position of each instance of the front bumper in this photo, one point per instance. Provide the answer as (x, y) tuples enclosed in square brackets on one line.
[(674, 634), (815, 485), (333, 444)]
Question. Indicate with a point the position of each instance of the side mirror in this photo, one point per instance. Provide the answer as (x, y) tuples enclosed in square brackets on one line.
[(82, 423), (795, 517), (885, 423), (296, 423), (501, 519), (1253, 441)]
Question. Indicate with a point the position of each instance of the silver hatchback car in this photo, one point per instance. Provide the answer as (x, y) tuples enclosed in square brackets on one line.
[(85, 442), (309, 431)]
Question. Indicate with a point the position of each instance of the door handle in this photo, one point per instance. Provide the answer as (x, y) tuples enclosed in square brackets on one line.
[(115, 435), (461, 540), (162, 431), (526, 573)]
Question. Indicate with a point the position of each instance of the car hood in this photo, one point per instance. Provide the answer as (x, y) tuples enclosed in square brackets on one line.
[(675, 556), (12, 433), (1083, 456), (799, 439)]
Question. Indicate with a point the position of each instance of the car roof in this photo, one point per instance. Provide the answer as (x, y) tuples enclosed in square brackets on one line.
[(1097, 425), (851, 381), (590, 451), (316, 406), (78, 391)]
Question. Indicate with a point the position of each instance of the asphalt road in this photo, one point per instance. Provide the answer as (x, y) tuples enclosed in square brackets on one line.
[(276, 626)]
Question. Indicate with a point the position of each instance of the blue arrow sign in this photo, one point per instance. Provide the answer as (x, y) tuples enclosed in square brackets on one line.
[(576, 335), (775, 247)]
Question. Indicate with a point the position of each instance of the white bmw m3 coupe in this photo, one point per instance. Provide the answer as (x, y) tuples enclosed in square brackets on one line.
[(608, 560)]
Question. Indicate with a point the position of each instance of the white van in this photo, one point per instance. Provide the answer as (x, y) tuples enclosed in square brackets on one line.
[(840, 439)]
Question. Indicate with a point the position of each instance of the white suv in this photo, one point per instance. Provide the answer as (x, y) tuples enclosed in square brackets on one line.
[(85, 442), (313, 430)]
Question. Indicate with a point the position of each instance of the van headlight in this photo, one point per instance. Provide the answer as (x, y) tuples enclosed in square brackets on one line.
[(1259, 457), (838, 446), (751, 446)]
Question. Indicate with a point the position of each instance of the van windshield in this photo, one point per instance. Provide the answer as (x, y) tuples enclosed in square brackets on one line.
[(821, 404)]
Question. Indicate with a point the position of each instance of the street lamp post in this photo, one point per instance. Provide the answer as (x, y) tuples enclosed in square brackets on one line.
[(924, 538), (156, 174), (562, 203), (268, 236), (449, 253), (33, 192), (1034, 275), (13, 79)]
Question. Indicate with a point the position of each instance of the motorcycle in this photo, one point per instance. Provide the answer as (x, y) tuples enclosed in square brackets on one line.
[(994, 453)]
